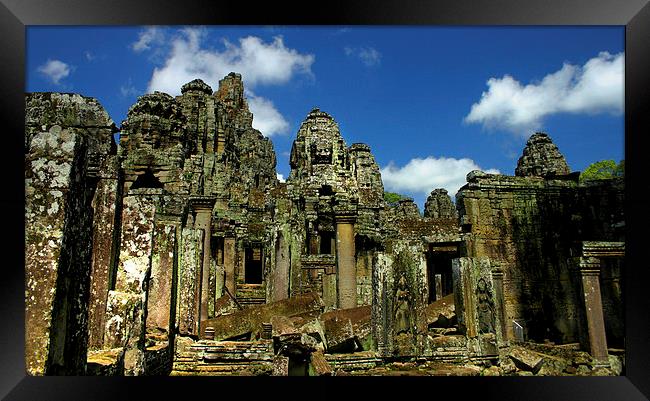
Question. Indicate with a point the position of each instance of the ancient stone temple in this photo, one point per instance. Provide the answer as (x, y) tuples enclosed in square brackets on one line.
[(177, 251)]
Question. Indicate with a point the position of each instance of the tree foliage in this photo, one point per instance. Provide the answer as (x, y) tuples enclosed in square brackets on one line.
[(602, 170), (392, 198)]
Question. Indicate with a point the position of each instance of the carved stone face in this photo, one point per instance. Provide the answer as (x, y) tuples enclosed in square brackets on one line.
[(321, 153)]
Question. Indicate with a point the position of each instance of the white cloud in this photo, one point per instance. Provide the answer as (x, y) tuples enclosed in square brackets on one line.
[(55, 70), (266, 118), (280, 177), (421, 176), (89, 56), (596, 87), (147, 38), (258, 62), (368, 55)]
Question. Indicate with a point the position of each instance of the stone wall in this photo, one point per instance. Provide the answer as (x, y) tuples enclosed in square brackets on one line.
[(528, 226), (65, 135)]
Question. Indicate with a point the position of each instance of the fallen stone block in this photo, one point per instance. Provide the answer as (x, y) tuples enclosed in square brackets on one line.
[(319, 364), (441, 313), (282, 326), (250, 320), (225, 305), (526, 360), (346, 329)]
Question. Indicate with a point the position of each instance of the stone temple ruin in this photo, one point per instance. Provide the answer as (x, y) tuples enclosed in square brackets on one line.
[(179, 252)]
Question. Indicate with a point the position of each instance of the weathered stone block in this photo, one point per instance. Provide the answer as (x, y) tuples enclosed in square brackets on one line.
[(250, 320), (525, 359), (345, 329)]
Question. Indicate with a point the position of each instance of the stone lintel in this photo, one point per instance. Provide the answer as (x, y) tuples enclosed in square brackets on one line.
[(202, 202), (346, 218), (444, 248), (171, 219), (603, 249), (585, 265), (317, 261)]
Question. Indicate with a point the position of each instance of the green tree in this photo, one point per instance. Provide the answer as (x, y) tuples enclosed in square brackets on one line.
[(602, 170), (392, 198)]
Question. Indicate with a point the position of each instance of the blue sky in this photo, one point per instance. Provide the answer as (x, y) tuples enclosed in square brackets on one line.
[(433, 103)]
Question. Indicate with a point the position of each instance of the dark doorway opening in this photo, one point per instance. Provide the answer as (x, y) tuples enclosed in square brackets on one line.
[(298, 366), (439, 273), (147, 180), (326, 238), (253, 262)]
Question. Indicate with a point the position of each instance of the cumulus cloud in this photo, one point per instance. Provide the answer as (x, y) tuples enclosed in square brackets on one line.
[(595, 87), (259, 63), (280, 177), (55, 70), (368, 55), (266, 118), (147, 38), (421, 176)]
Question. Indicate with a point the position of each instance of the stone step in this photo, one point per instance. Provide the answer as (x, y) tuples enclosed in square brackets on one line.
[(358, 360)]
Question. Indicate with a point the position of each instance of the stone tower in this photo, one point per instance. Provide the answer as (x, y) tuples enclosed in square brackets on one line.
[(439, 205), (541, 158)]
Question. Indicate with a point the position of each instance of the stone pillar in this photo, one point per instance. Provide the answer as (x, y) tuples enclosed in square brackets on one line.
[(58, 234), (105, 244), (203, 222), (474, 296), (345, 257), (497, 281), (589, 270), (438, 285), (163, 262), (126, 315), (241, 272), (67, 137), (280, 275), (189, 267), (229, 254), (329, 288)]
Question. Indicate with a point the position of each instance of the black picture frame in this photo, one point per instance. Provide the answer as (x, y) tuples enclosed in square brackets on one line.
[(15, 15)]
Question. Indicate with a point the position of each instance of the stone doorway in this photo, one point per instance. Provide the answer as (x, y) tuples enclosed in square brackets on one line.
[(439, 275), (254, 267)]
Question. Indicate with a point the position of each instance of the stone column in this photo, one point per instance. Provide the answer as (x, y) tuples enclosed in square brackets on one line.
[(229, 263), (126, 307), (163, 263), (191, 247), (203, 207), (345, 257), (589, 269), (497, 281), (280, 274), (104, 251), (438, 285), (329, 288)]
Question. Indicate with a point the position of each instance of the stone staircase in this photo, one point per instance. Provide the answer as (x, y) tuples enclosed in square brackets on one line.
[(250, 295), (354, 361), (213, 358)]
